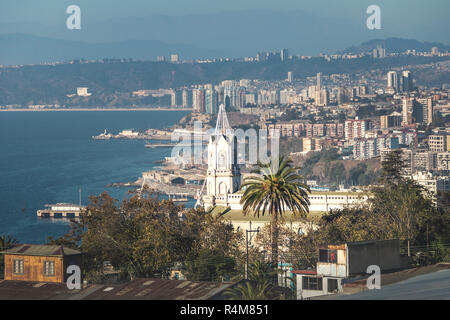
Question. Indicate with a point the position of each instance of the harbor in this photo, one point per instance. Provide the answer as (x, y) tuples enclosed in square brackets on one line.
[(130, 134)]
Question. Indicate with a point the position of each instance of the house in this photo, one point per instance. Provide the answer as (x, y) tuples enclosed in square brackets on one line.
[(337, 263), (39, 263)]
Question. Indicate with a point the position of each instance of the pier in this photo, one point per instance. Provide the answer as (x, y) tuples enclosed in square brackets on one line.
[(61, 210), (178, 197)]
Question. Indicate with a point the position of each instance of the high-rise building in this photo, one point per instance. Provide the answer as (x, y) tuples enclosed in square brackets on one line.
[(324, 97), (407, 111), (211, 101), (160, 58), (379, 52), (261, 56), (407, 81), (392, 120), (284, 55), (427, 109), (290, 77), (435, 51), (198, 100), (185, 99), (174, 58), (319, 82), (393, 81), (340, 96), (173, 98)]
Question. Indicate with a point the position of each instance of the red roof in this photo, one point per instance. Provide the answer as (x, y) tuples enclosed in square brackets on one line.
[(310, 272)]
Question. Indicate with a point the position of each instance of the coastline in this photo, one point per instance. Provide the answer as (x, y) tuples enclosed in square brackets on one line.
[(95, 109)]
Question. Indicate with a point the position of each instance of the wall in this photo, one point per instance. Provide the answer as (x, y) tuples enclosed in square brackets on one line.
[(385, 254), (306, 294), (34, 269)]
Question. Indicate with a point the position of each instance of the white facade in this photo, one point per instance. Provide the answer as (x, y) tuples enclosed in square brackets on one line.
[(223, 179)]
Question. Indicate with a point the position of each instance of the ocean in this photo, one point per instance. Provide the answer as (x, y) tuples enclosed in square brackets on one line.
[(46, 157)]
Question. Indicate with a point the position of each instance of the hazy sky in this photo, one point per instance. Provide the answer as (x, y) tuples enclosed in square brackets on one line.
[(49, 11)]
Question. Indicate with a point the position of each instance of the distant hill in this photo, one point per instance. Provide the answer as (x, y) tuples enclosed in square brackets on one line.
[(111, 83), (30, 49), (233, 34), (396, 45)]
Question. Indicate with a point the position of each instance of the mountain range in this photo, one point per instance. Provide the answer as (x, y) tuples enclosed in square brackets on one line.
[(225, 34)]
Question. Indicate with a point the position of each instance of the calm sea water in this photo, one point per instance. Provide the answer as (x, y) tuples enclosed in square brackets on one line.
[(45, 157)]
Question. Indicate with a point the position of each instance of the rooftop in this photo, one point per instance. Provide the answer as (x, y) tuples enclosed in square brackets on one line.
[(138, 289), (41, 250), (238, 215)]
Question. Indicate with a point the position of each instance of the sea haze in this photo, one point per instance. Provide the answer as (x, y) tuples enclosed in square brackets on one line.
[(45, 157)]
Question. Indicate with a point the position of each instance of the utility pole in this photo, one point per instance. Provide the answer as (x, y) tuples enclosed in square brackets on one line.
[(246, 242), (79, 192)]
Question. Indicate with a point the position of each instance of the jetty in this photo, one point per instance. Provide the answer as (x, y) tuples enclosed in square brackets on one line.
[(61, 210)]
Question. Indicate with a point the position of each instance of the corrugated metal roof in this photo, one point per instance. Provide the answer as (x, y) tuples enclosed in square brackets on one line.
[(41, 250), (158, 289)]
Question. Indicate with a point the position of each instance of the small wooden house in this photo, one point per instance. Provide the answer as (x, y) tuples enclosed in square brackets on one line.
[(40, 263)]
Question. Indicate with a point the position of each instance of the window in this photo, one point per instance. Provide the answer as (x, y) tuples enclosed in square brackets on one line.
[(326, 255), (332, 285), (49, 268), (18, 266), (311, 283)]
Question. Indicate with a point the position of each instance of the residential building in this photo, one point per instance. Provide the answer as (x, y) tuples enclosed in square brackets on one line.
[(336, 263), (438, 143), (390, 121), (39, 263), (356, 128), (83, 92)]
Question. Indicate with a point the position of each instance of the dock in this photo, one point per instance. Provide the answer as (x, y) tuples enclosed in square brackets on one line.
[(61, 210), (178, 197)]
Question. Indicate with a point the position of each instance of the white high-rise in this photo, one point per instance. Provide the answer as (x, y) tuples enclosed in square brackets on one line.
[(392, 80)]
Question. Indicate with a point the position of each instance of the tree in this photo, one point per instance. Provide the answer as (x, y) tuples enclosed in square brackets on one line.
[(6, 242), (145, 237), (393, 167), (403, 206), (400, 201), (251, 291), (275, 191), (261, 271)]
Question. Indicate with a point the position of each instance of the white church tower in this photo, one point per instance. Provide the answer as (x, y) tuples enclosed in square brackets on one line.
[(223, 176)]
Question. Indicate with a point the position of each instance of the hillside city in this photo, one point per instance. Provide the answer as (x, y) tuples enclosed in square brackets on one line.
[(363, 180)]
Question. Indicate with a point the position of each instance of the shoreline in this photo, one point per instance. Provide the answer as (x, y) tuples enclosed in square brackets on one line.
[(96, 109)]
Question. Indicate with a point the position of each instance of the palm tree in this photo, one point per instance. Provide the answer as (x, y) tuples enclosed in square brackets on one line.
[(261, 271), (275, 191), (250, 291)]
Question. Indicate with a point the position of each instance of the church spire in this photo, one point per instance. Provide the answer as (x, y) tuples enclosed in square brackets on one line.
[(222, 125)]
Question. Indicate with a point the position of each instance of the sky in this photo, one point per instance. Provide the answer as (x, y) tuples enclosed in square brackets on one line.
[(433, 12)]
